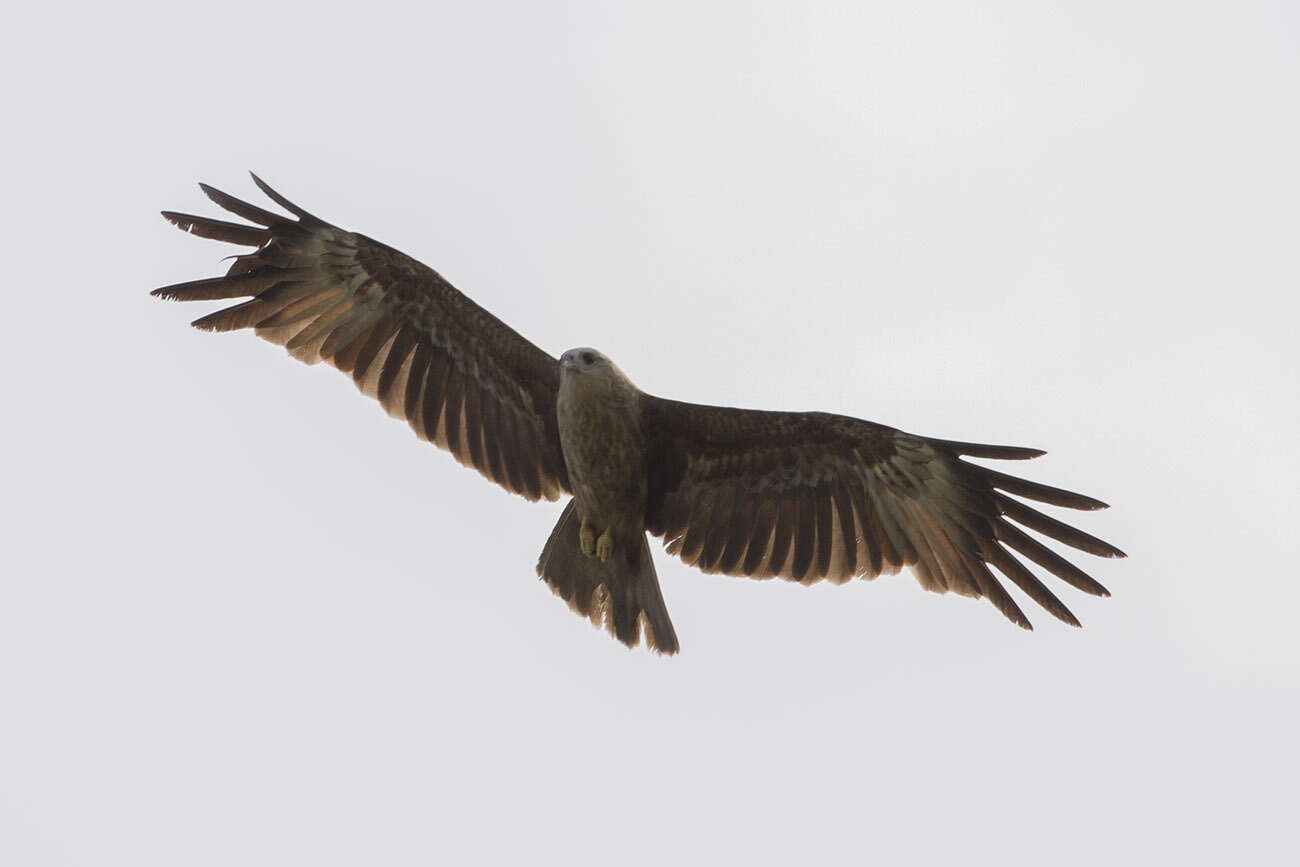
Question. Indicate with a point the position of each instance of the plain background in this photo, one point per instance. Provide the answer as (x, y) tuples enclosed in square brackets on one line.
[(247, 618)]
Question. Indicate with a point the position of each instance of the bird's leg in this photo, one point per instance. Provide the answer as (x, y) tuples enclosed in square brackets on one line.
[(587, 539), (605, 546)]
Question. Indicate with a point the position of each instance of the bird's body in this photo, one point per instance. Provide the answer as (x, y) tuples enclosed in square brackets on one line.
[(602, 436), (803, 496)]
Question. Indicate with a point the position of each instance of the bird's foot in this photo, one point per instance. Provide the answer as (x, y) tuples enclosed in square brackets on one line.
[(587, 540), (604, 546)]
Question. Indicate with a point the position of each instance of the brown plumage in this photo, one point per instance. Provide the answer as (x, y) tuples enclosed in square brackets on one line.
[(800, 496)]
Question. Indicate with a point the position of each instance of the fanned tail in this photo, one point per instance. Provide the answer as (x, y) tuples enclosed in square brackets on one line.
[(621, 594)]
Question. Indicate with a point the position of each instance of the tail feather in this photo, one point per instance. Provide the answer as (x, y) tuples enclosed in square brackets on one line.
[(621, 594)]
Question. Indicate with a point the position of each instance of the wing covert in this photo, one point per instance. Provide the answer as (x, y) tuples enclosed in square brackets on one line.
[(459, 376)]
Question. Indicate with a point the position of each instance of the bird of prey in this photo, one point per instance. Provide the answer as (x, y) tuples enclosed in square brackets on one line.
[(803, 496)]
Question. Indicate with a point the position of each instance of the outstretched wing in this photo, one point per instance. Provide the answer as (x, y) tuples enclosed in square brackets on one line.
[(460, 376), (807, 496)]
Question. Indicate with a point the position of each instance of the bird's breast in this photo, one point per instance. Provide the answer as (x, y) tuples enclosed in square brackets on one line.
[(604, 447)]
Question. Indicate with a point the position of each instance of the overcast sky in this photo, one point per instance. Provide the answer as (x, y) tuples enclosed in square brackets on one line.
[(248, 618)]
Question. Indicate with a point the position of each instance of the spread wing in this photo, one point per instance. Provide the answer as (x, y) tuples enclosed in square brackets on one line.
[(461, 377), (807, 496)]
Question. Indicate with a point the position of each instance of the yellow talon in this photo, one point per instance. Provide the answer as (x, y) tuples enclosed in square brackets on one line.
[(604, 546), (587, 540)]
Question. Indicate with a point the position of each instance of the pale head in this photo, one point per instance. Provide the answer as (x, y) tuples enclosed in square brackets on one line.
[(584, 359), (585, 362)]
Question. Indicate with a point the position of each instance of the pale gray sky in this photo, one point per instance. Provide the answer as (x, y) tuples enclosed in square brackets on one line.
[(248, 618)]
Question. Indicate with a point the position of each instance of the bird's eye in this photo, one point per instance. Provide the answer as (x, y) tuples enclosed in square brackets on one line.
[(588, 358)]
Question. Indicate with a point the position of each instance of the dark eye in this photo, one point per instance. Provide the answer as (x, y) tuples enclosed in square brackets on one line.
[(588, 358)]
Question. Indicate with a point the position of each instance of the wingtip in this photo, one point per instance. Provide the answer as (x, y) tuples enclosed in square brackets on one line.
[(184, 222), (303, 215), (990, 452), (1014, 453), (1110, 552), (262, 185), (1085, 503)]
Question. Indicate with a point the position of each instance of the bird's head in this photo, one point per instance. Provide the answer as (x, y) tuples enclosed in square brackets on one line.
[(584, 360), (587, 365)]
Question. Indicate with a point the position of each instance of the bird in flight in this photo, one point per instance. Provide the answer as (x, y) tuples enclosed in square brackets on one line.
[(803, 496)]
